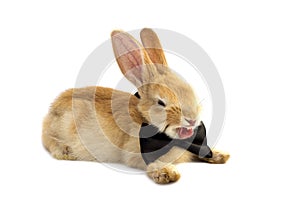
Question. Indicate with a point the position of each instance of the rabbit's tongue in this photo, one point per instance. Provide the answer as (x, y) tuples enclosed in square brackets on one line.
[(185, 132)]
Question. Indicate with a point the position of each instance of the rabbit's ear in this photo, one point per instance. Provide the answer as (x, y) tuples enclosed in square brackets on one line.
[(153, 47), (132, 59)]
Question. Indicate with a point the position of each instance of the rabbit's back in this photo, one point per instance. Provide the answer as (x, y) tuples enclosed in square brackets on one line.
[(93, 123)]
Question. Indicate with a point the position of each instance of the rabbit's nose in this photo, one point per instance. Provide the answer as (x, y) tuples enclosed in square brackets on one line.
[(190, 121)]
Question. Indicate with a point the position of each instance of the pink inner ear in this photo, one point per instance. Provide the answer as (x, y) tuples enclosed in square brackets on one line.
[(131, 65), (128, 53)]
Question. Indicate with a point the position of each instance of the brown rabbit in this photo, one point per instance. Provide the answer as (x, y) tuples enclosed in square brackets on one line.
[(102, 124)]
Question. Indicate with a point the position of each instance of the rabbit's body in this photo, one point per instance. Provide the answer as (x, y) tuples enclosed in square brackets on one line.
[(102, 124), (71, 128)]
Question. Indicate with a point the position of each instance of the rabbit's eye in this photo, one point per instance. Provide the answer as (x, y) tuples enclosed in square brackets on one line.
[(161, 103)]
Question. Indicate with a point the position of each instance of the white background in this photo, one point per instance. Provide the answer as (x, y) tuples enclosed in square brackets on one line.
[(255, 46)]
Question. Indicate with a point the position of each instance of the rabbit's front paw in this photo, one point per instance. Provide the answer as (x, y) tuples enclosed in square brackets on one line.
[(218, 157), (163, 175)]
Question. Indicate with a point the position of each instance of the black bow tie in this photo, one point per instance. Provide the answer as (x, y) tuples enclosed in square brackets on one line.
[(154, 144)]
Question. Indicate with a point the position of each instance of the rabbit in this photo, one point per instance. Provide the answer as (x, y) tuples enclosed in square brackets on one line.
[(102, 124)]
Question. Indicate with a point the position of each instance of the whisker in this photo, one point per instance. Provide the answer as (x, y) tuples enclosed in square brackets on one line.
[(166, 127), (201, 101)]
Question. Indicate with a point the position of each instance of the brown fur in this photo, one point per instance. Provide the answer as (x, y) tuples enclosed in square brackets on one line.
[(102, 124)]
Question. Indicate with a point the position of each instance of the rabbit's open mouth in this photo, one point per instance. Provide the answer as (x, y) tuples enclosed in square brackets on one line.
[(184, 132)]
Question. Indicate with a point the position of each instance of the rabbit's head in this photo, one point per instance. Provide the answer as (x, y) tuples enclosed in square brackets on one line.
[(167, 101)]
